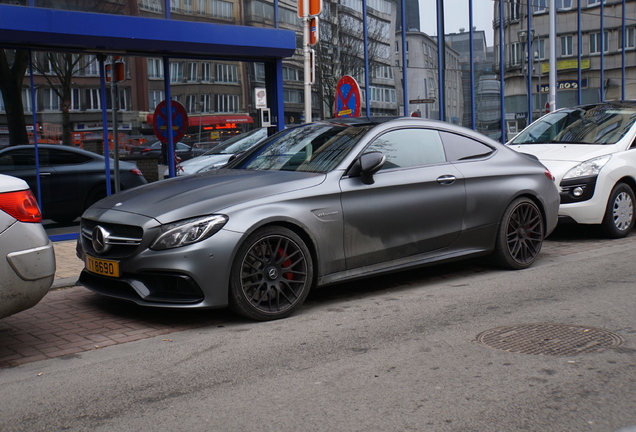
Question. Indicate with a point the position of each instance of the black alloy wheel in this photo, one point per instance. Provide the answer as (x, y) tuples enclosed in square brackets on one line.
[(619, 214), (520, 235), (271, 275)]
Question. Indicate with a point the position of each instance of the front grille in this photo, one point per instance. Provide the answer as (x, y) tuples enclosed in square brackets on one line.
[(160, 287), (128, 238)]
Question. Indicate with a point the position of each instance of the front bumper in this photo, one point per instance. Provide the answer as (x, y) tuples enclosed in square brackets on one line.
[(193, 276), (27, 274)]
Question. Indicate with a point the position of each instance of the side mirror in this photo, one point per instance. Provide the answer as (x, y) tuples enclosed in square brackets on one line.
[(367, 165)]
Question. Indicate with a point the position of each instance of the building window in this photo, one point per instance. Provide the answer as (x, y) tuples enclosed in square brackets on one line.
[(540, 6), (593, 2), (151, 5), (515, 54), (155, 97), (630, 33), (50, 100), (220, 9), (514, 10), (193, 69), (155, 68), (539, 49), (595, 42), (206, 101), (92, 99), (191, 104), (259, 72), (176, 72), (563, 4), (205, 72), (26, 100), (124, 99), (291, 74), (227, 103), (566, 46), (91, 65), (226, 73), (2, 108), (174, 6), (187, 6), (293, 96)]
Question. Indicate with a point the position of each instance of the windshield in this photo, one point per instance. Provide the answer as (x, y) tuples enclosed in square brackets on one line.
[(594, 124), (315, 147), (240, 143)]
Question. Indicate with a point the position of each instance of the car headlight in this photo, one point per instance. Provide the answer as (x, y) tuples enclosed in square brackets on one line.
[(588, 168), (188, 231)]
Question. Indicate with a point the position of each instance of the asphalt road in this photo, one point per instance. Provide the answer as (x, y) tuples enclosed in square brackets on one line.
[(397, 353)]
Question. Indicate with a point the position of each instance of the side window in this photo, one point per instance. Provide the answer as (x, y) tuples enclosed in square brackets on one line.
[(17, 160), (409, 148), (459, 147), (60, 157)]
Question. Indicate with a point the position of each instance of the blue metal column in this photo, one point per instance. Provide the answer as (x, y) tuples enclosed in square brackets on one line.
[(405, 86), (529, 62), (502, 107), (602, 40), (102, 90), (580, 49), (166, 84), (35, 130), (441, 60), (366, 58), (624, 45), (471, 37)]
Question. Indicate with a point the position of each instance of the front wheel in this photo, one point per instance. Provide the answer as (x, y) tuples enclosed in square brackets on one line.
[(520, 235), (619, 214), (271, 275)]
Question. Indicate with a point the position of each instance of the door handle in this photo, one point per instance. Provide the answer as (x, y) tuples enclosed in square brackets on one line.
[(44, 173), (446, 179)]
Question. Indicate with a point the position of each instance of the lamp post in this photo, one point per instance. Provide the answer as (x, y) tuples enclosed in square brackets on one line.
[(526, 36)]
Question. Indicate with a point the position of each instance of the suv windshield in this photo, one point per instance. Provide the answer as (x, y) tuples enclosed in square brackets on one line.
[(592, 124), (316, 147)]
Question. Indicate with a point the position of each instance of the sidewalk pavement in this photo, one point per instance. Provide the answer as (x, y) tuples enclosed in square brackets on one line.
[(67, 265)]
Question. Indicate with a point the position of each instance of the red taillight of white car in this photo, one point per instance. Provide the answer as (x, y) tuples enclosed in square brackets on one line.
[(549, 175), (21, 205)]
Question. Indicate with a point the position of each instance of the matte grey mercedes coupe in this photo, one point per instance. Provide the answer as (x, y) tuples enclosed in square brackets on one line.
[(317, 204)]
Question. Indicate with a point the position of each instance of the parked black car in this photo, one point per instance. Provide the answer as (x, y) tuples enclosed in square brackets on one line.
[(71, 179), (183, 151)]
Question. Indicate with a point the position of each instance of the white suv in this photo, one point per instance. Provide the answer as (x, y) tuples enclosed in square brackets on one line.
[(591, 150)]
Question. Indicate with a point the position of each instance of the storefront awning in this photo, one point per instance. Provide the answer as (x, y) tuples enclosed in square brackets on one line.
[(48, 29)]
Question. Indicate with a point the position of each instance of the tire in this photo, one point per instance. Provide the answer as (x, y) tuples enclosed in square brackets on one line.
[(271, 275), (619, 214), (520, 235)]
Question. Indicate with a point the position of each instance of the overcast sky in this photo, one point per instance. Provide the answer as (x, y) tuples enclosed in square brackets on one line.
[(456, 16)]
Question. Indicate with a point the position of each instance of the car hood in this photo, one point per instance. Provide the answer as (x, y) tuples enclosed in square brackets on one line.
[(206, 193), (563, 152), (199, 162)]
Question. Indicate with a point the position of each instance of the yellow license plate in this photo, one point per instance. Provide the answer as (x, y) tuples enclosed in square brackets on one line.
[(102, 267)]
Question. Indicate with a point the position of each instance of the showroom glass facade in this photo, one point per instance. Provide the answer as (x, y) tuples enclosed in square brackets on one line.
[(214, 56)]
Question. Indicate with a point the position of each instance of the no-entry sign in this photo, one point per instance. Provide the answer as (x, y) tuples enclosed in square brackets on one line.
[(179, 119), (347, 103)]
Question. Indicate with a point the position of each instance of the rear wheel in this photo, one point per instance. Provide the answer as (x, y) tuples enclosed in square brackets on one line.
[(520, 235), (271, 275), (619, 214)]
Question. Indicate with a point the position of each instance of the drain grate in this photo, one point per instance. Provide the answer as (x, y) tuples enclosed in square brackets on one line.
[(549, 339)]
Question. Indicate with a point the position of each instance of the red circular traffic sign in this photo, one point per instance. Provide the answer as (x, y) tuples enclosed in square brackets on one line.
[(178, 117), (347, 103)]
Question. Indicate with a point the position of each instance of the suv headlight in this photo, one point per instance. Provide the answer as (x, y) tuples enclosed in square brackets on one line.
[(188, 231), (588, 168)]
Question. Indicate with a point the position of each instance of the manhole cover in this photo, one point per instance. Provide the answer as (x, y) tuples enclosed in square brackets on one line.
[(550, 339)]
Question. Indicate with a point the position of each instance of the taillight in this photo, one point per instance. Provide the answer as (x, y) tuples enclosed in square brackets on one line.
[(21, 205), (549, 175), (136, 171), (145, 150)]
